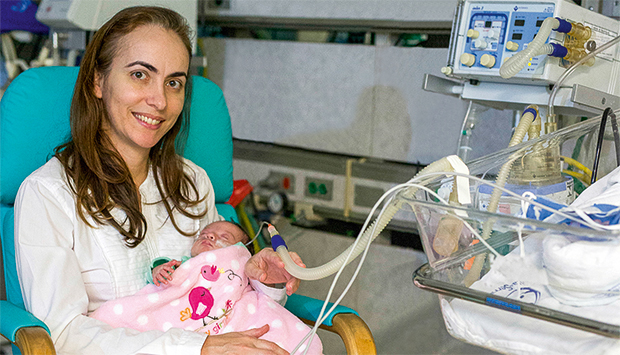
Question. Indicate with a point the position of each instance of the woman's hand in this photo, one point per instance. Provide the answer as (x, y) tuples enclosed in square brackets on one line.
[(268, 268), (163, 273), (241, 343)]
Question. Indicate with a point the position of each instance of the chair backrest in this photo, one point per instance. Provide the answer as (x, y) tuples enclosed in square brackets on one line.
[(34, 119)]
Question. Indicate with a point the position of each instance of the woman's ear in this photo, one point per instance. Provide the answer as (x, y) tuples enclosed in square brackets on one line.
[(98, 84)]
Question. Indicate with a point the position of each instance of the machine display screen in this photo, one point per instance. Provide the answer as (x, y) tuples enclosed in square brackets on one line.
[(491, 27)]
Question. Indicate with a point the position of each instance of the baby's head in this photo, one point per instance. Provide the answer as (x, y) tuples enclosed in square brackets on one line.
[(218, 235)]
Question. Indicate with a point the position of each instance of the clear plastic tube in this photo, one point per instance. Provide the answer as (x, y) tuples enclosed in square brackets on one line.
[(371, 232), (518, 61), (474, 113)]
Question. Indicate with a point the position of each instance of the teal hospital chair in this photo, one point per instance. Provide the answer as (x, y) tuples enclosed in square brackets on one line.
[(35, 119)]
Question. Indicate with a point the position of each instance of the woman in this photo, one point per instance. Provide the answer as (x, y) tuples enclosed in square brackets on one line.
[(117, 195)]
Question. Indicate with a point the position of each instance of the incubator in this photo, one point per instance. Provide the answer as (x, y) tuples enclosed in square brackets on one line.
[(548, 281), (543, 259), (543, 279)]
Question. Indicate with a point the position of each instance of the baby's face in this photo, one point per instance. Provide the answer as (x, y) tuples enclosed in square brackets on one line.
[(217, 235)]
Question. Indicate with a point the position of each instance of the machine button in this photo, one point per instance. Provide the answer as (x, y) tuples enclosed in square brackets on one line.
[(446, 70), (471, 33), (468, 59), (480, 43), (487, 60), (512, 46)]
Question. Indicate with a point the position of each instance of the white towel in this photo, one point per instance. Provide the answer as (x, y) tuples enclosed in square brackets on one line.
[(582, 273)]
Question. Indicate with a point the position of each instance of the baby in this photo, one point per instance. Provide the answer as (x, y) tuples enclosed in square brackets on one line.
[(208, 293), (214, 236)]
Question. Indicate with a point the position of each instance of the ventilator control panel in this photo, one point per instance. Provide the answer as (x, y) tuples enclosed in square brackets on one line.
[(493, 32), (486, 33)]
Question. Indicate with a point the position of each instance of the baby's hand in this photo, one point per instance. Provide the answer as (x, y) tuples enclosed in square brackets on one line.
[(163, 273)]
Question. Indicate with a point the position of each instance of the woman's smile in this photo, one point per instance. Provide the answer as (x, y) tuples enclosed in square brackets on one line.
[(149, 121)]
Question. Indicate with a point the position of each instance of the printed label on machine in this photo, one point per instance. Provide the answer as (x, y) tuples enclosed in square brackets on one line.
[(601, 36)]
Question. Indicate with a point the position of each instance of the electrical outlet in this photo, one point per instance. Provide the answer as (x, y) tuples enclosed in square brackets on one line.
[(319, 188)]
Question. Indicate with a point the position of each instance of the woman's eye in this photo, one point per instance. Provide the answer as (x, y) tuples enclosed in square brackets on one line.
[(175, 84), (139, 75)]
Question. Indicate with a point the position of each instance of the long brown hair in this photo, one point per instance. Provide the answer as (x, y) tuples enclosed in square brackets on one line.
[(98, 174)]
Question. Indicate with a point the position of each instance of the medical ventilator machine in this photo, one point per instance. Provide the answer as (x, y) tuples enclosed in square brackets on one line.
[(519, 266), (508, 54)]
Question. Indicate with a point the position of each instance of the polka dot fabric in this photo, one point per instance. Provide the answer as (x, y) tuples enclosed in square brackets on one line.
[(209, 293)]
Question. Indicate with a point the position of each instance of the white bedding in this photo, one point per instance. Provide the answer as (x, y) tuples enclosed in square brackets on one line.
[(526, 279)]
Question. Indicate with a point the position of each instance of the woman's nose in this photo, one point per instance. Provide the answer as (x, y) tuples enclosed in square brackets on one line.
[(157, 97)]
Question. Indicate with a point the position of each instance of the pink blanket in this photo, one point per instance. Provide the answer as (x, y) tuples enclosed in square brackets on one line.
[(209, 293)]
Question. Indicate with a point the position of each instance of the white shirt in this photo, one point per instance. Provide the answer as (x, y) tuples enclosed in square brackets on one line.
[(67, 268)]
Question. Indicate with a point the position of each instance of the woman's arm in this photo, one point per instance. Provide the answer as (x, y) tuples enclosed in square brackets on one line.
[(53, 288), (241, 343)]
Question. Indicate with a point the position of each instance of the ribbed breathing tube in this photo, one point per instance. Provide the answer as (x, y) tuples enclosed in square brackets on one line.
[(537, 47), (527, 118), (530, 117), (377, 226)]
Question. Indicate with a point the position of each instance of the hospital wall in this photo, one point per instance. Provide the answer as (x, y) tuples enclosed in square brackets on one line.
[(360, 100)]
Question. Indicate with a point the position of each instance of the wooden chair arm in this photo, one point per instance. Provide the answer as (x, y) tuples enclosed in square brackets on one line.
[(34, 340), (354, 332)]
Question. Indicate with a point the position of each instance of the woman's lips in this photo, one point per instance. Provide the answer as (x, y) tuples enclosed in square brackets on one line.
[(148, 120)]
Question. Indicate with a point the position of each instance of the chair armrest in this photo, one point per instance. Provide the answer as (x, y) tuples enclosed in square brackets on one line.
[(309, 308), (343, 321), (24, 330), (34, 340), (354, 332)]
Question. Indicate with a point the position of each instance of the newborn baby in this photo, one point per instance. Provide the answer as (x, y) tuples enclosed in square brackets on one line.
[(208, 293)]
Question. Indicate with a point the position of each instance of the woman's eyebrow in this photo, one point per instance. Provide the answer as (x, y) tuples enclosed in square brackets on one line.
[(154, 70), (178, 74), (144, 64)]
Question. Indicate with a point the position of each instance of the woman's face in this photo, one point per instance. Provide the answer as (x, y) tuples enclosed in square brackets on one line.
[(144, 90)]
